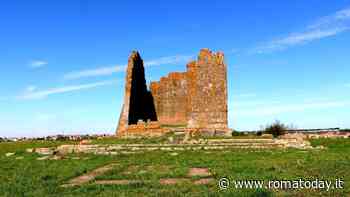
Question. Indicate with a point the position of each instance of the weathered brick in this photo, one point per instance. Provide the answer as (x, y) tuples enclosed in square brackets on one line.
[(196, 98)]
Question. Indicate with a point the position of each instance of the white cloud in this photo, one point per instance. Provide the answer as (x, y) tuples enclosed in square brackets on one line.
[(102, 71), (274, 110), (300, 38), (343, 14), (94, 72), (324, 27), (339, 18), (38, 63), (169, 60), (31, 88), (45, 93)]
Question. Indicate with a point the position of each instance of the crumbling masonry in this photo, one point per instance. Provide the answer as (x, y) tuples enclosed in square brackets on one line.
[(195, 99)]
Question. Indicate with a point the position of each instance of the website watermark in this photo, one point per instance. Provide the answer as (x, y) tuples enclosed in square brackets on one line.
[(316, 184)]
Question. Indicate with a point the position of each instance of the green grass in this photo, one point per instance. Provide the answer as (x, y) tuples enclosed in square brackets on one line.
[(30, 177)]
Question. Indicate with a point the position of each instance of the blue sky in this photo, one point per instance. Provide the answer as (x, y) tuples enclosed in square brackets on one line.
[(62, 62)]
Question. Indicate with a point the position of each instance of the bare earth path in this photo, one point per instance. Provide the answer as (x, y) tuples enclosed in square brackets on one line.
[(89, 176), (204, 173)]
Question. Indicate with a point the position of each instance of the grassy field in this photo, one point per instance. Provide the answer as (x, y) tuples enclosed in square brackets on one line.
[(23, 175)]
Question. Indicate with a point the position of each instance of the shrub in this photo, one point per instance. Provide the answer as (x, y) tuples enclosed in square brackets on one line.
[(276, 129), (237, 133)]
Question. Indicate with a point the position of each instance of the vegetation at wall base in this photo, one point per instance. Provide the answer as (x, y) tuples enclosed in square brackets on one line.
[(276, 129)]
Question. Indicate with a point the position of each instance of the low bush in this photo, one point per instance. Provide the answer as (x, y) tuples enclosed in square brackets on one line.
[(276, 129), (237, 133)]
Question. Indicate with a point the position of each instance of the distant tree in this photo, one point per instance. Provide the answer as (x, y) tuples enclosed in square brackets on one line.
[(237, 133), (276, 129)]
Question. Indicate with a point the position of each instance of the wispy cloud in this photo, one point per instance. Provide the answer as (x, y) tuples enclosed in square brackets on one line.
[(340, 18), (30, 95), (30, 88), (101, 71), (324, 27), (109, 70), (169, 60), (274, 110), (38, 63)]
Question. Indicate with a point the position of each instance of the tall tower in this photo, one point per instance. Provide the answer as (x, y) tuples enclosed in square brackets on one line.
[(207, 87), (138, 101)]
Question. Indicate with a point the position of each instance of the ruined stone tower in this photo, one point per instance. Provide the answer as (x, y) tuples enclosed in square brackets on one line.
[(207, 92), (138, 101), (195, 99)]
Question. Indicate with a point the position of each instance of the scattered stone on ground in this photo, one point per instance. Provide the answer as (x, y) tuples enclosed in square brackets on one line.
[(171, 139), (85, 178), (128, 152), (9, 154), (118, 182), (44, 151), (68, 148), (177, 133), (43, 158), (174, 154), (204, 181), (265, 135), (85, 142), (202, 172), (201, 144), (164, 181), (142, 172), (19, 158), (173, 181), (298, 136), (187, 137), (90, 176), (56, 157)]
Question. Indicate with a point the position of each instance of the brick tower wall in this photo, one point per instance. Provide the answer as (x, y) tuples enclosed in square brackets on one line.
[(196, 98), (170, 98), (207, 91)]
